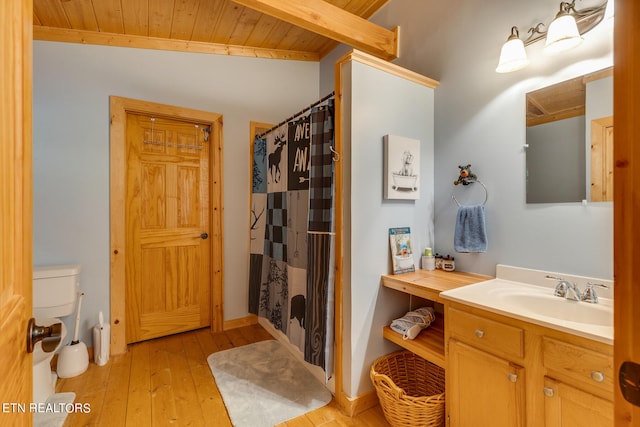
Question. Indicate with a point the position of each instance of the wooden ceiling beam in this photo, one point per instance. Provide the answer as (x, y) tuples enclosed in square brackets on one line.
[(330, 21), (143, 42)]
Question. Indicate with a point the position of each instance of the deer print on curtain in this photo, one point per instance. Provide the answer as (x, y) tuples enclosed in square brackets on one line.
[(291, 271)]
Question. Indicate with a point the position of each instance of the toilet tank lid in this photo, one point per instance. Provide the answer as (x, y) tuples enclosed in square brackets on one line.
[(48, 271)]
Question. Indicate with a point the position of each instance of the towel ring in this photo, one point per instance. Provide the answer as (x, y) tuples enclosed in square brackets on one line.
[(486, 193)]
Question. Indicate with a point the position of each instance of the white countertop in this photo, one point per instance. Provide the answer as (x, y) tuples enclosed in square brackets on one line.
[(509, 298)]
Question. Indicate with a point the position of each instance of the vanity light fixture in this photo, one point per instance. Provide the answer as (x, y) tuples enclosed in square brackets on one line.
[(563, 33), (512, 56)]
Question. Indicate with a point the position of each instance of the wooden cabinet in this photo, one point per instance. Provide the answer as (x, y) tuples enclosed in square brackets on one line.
[(586, 368), (569, 379), (484, 390), (578, 386), (429, 344), (487, 334), (568, 406), (485, 387), (503, 371)]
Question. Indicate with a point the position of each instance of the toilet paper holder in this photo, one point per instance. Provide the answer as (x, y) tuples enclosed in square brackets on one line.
[(49, 335)]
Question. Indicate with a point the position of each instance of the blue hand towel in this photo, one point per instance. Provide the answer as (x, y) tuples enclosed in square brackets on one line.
[(470, 234)]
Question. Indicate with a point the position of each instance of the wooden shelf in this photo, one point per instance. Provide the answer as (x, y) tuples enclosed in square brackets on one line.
[(429, 284), (429, 344)]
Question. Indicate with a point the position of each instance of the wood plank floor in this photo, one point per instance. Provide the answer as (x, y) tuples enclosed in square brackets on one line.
[(167, 381)]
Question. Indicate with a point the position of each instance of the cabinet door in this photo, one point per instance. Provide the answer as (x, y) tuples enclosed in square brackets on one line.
[(484, 390), (567, 406)]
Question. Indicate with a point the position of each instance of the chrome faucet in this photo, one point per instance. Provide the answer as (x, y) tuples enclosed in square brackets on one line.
[(573, 293), (589, 294), (570, 291)]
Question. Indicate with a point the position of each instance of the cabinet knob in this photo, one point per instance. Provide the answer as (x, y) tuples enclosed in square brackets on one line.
[(548, 391), (597, 376), (479, 333), (512, 377)]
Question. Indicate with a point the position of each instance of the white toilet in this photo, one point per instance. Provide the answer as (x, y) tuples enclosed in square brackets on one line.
[(55, 291)]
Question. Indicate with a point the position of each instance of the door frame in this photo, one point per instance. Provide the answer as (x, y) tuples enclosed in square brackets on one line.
[(119, 107)]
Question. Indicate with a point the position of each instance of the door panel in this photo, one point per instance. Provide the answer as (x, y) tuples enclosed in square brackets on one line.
[(626, 221), (602, 159), (485, 390), (567, 406), (167, 212), (15, 211)]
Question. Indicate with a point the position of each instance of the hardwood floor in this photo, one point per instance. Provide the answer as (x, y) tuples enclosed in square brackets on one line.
[(168, 381)]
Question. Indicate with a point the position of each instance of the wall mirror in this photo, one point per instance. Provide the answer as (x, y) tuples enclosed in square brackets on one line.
[(570, 140)]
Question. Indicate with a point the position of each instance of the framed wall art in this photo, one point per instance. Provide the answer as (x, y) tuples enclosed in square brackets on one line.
[(401, 168)]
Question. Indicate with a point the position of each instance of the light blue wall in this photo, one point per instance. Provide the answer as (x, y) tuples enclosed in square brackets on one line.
[(480, 119), (555, 157), (599, 104), (72, 85), (378, 103)]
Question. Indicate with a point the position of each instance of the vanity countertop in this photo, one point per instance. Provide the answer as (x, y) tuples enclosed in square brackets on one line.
[(537, 304), (429, 284)]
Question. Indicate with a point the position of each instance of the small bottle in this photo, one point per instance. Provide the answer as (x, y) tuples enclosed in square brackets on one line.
[(438, 261)]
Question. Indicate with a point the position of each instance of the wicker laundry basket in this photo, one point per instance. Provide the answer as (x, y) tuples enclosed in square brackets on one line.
[(410, 389)]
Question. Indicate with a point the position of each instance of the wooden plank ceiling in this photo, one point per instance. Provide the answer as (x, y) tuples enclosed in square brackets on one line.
[(281, 29), (562, 100)]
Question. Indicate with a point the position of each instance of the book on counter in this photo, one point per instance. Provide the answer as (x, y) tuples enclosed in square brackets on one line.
[(401, 250)]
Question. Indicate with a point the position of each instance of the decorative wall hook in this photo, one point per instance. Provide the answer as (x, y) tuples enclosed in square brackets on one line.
[(335, 155), (466, 177)]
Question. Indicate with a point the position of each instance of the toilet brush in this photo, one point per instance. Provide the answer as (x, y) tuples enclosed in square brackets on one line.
[(73, 359)]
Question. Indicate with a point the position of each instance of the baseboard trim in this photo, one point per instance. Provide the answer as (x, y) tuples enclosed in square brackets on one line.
[(249, 320), (359, 404)]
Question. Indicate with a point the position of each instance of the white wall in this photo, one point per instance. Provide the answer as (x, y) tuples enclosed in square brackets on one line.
[(376, 104), (72, 85), (480, 119)]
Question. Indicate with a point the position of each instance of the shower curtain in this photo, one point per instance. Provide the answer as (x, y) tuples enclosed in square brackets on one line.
[(291, 281)]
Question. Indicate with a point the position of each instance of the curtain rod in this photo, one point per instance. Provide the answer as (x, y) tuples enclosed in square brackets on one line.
[(297, 114)]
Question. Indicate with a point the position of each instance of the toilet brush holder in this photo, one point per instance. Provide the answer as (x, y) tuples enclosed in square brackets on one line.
[(73, 360)]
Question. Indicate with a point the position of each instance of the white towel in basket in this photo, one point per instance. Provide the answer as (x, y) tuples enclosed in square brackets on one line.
[(412, 323)]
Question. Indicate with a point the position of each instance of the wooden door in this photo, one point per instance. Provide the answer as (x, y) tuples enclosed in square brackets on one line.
[(626, 222), (602, 159), (15, 211), (567, 406), (484, 390), (167, 227)]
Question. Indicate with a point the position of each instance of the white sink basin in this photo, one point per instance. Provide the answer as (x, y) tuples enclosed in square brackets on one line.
[(537, 304), (554, 307)]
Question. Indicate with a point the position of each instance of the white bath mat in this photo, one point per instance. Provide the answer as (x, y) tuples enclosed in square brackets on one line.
[(262, 384), (54, 411)]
